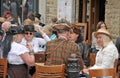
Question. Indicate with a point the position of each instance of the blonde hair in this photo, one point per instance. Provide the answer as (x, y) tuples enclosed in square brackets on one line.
[(28, 22), (37, 21)]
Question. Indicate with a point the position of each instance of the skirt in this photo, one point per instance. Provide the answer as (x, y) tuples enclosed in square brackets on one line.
[(18, 71)]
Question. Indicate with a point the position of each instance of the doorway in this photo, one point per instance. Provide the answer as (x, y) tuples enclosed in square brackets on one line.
[(96, 14), (90, 12), (102, 10)]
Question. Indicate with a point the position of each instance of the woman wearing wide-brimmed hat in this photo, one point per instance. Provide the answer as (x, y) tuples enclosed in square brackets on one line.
[(106, 56)]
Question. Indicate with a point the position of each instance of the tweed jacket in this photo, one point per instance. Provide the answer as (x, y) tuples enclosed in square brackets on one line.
[(59, 50)]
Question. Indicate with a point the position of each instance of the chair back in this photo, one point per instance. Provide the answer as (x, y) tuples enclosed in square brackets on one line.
[(3, 68), (92, 59), (102, 72), (52, 71)]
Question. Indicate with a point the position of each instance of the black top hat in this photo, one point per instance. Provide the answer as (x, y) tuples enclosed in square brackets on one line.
[(16, 30), (38, 15), (29, 28)]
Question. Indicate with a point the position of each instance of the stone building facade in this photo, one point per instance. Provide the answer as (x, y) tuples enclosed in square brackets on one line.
[(112, 14), (48, 9), (112, 17), (51, 9)]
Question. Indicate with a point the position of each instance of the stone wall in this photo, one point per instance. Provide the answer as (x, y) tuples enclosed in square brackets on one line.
[(51, 9), (42, 10), (112, 17), (77, 10)]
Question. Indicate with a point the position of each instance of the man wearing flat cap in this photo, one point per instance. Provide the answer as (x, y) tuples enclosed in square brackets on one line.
[(59, 50)]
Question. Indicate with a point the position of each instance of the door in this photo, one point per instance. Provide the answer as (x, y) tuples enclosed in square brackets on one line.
[(92, 12), (96, 13)]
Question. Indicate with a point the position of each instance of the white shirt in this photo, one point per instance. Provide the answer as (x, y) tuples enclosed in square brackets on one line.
[(105, 58), (36, 42), (15, 52)]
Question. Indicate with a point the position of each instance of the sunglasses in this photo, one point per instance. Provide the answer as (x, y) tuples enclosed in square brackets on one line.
[(30, 33)]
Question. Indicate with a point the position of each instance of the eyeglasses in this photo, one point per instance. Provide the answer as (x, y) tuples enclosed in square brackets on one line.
[(30, 33)]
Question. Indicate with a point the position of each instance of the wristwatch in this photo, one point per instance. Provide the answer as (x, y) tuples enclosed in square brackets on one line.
[(31, 52)]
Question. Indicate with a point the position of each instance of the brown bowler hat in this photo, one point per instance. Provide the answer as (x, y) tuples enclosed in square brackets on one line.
[(61, 26)]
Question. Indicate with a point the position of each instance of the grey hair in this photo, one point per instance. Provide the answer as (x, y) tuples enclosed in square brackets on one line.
[(106, 40)]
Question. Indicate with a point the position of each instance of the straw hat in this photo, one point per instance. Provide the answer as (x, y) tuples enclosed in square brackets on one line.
[(103, 31), (28, 22), (2, 19)]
